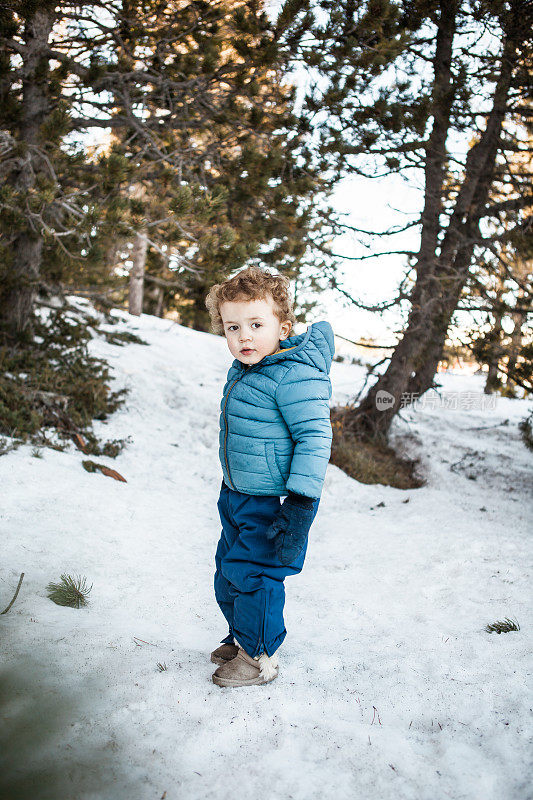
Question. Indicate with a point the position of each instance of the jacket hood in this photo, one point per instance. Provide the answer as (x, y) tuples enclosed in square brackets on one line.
[(315, 346)]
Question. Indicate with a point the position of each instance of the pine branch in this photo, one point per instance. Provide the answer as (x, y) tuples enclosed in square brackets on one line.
[(503, 627), (70, 591)]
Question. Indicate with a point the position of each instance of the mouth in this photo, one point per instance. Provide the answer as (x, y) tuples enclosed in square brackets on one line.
[(247, 350)]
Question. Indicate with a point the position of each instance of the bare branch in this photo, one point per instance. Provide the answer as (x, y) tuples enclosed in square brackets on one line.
[(374, 255), (366, 344)]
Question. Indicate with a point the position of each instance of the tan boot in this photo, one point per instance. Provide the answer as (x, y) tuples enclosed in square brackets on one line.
[(224, 653), (243, 670)]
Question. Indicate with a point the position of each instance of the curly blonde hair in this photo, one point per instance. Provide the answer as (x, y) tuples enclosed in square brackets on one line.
[(251, 283)]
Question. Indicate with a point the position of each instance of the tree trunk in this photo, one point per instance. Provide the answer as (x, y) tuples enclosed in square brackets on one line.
[(140, 247), (451, 283), (516, 339), (493, 382), (160, 294), (18, 290)]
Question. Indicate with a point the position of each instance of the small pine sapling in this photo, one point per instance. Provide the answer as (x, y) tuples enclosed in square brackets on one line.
[(69, 591)]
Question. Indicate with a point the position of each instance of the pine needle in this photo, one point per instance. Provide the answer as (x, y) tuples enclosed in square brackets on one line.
[(503, 627), (70, 591)]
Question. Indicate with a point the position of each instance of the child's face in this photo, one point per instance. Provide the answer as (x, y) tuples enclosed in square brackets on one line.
[(252, 324)]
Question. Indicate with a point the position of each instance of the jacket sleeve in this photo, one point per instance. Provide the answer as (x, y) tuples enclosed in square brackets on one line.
[(303, 400)]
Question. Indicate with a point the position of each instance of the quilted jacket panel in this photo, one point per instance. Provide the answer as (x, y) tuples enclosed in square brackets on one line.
[(275, 429)]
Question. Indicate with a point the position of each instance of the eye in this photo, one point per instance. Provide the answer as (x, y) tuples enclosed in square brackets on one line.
[(230, 327)]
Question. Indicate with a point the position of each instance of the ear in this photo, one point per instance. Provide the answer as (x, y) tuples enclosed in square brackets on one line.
[(285, 330)]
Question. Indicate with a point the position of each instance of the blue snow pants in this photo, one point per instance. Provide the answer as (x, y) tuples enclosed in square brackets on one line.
[(249, 576)]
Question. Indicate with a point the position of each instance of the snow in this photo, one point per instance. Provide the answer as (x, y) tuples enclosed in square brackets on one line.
[(389, 686)]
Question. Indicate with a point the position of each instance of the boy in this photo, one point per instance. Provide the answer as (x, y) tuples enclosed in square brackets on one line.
[(274, 442)]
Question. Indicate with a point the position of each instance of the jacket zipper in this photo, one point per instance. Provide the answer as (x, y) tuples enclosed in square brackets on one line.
[(226, 426), (226, 422)]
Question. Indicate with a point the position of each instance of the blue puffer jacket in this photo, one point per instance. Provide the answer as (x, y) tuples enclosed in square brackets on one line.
[(275, 429)]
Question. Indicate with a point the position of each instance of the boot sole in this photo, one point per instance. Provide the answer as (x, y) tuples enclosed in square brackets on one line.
[(235, 683)]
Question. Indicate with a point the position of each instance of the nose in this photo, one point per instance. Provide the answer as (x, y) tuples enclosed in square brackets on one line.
[(245, 338)]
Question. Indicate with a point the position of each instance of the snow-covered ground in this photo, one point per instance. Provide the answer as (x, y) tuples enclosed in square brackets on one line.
[(389, 686)]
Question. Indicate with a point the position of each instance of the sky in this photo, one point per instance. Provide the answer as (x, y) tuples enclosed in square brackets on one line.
[(370, 204)]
